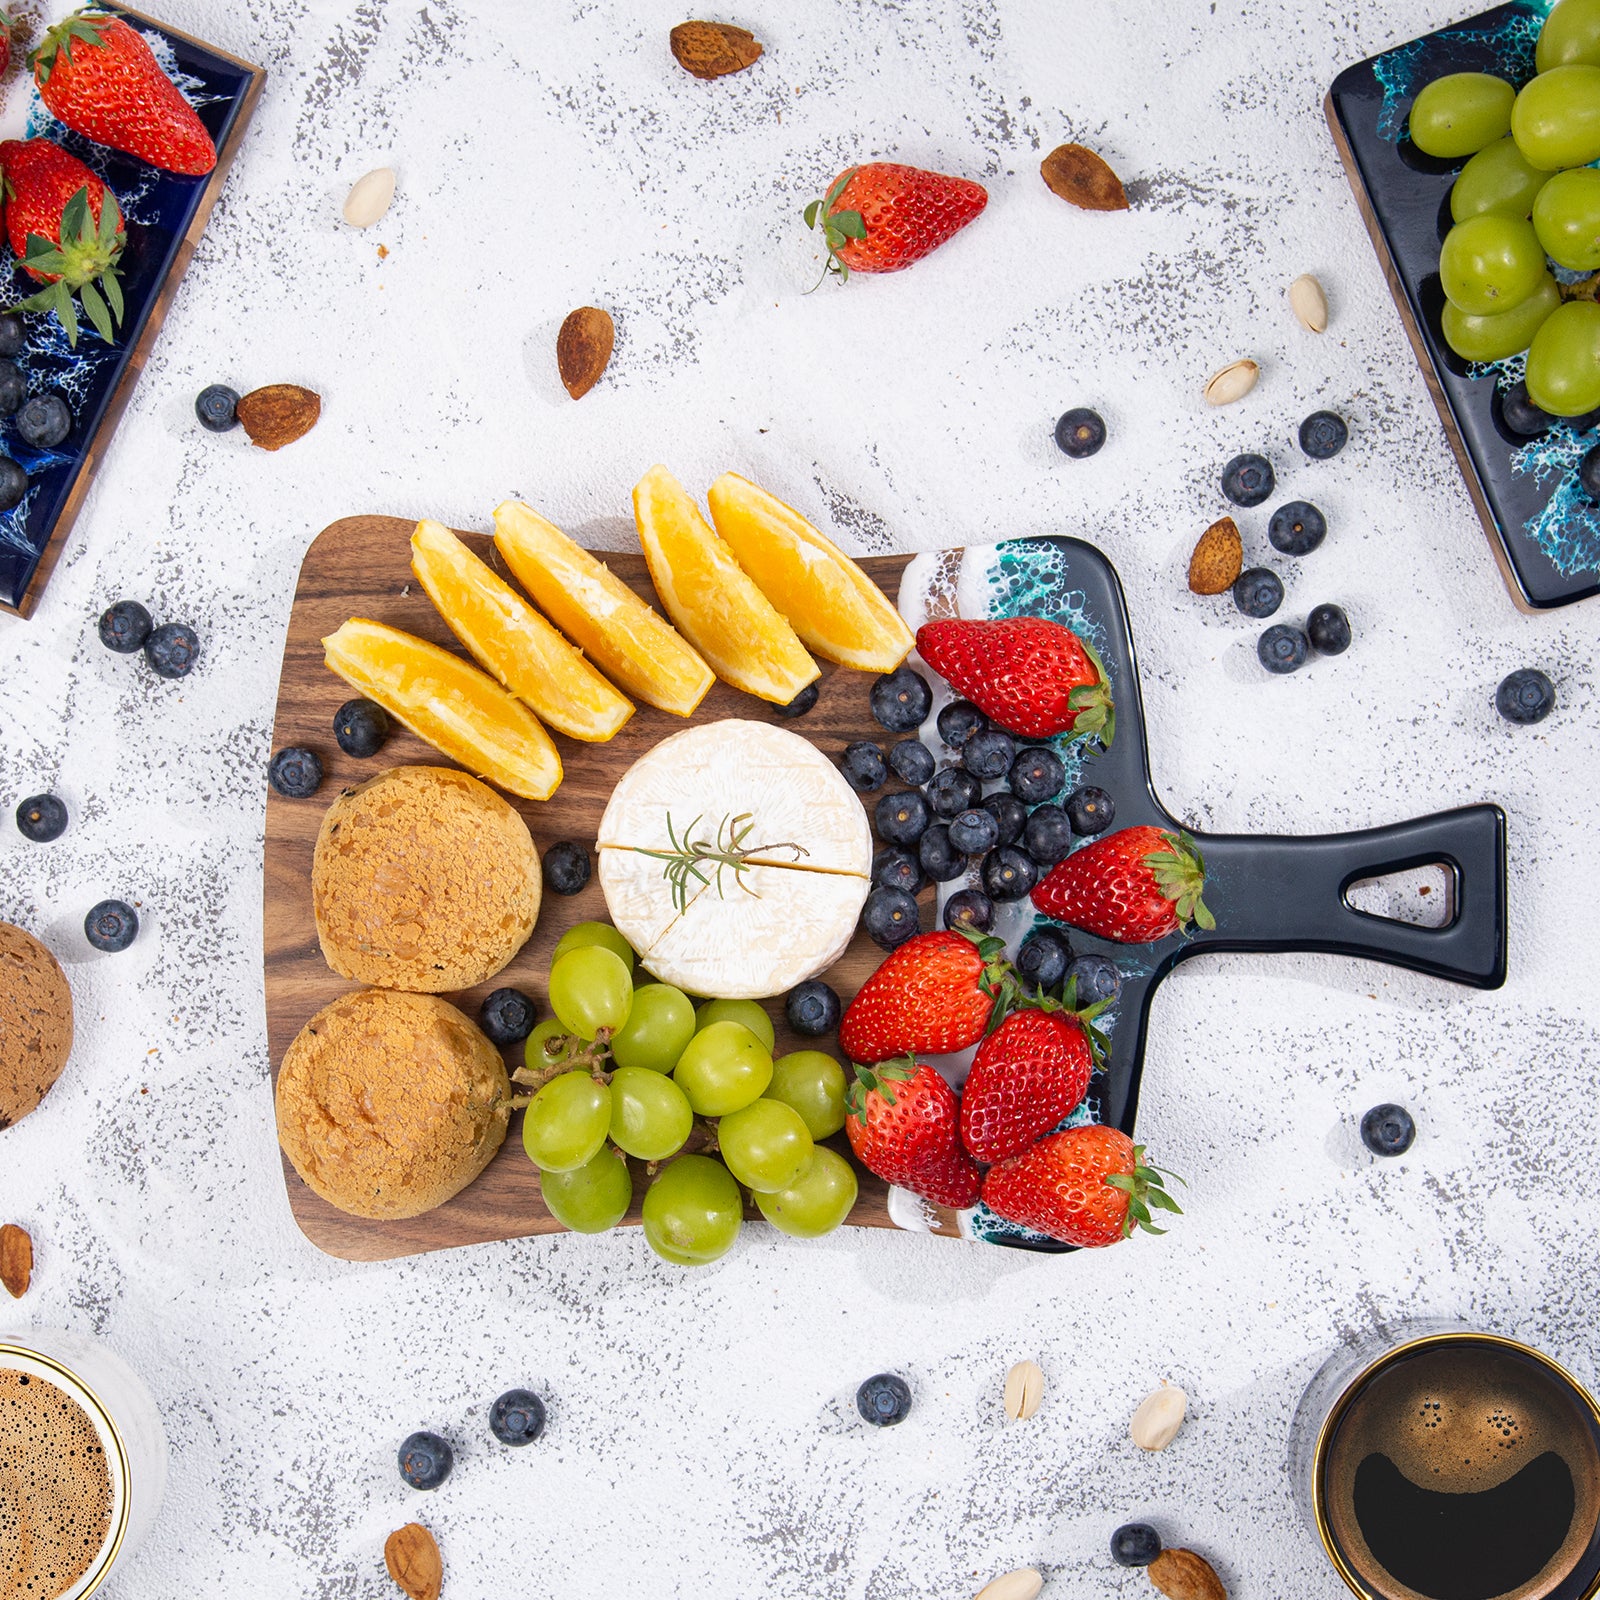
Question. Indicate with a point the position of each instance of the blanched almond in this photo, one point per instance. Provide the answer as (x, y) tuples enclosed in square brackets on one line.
[(370, 197), (1155, 1424), (1024, 1390), (1023, 1584), (1232, 382), (1309, 303)]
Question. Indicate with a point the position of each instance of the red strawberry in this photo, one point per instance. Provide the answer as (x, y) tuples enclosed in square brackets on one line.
[(100, 78), (65, 227), (1087, 1186), (903, 1127), (936, 993), (1027, 1075), (883, 216), (1133, 886), (6, 25), (1030, 675)]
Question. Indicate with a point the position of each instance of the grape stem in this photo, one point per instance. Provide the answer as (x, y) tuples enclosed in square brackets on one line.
[(702, 1141), (590, 1058)]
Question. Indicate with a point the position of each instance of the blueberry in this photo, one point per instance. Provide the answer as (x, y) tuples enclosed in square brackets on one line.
[(1297, 528), (1328, 629), (507, 1016), (989, 754), (1096, 978), (111, 925), (1589, 473), (217, 407), (801, 703), (1521, 415), (1323, 435), (1008, 874), (41, 818), (971, 909), (1247, 480), (1048, 835), (1525, 696), (44, 421), (361, 726), (566, 867), (939, 857), (1135, 1544), (13, 387), (12, 334), (863, 766), (426, 1460), (1036, 775), (953, 791), (1042, 960), (902, 818), (295, 773), (812, 1009), (13, 483), (890, 917), (958, 721), (1080, 432), (1388, 1130), (897, 869), (124, 627), (1009, 812), (974, 832), (171, 649), (901, 700), (1090, 810), (911, 761), (517, 1417), (884, 1400), (1258, 592), (1282, 648)]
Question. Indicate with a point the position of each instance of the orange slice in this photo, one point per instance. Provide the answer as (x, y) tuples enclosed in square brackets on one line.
[(460, 711), (711, 598), (632, 644), (830, 602), (511, 641)]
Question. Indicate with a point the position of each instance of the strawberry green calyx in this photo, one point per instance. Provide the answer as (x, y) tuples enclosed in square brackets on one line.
[(997, 980), (81, 28), (1087, 1018), (838, 227), (1180, 875), (1145, 1187), (83, 265), (1096, 715), (876, 1080)]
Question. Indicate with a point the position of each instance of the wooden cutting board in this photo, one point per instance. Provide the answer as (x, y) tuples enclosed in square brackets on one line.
[(360, 566)]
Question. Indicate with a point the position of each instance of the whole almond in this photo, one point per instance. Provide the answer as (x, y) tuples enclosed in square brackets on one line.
[(1024, 1390), (583, 347), (1155, 1424), (16, 1260), (1023, 1584), (370, 196), (279, 414), (1217, 559), (413, 1561), (1079, 176), (1232, 382), (713, 49), (1309, 303), (1182, 1575)]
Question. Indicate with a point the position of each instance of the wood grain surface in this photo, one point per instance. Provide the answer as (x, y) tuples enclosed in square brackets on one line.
[(361, 567)]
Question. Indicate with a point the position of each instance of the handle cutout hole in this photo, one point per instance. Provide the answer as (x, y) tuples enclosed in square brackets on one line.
[(1424, 897)]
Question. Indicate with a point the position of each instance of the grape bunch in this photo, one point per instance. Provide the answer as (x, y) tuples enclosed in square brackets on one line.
[(621, 1071), (1526, 199)]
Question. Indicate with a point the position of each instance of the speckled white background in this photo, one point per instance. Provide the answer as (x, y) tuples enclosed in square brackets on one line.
[(702, 1439)]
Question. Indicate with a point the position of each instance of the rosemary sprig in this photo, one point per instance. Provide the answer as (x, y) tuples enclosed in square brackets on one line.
[(705, 860)]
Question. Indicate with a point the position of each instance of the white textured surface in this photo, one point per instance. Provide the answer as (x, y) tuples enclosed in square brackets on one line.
[(702, 1439)]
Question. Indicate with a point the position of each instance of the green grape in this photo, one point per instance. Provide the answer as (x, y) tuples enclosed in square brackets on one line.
[(750, 1012), (548, 1045), (583, 934), (1566, 216), (1570, 36), (817, 1201), (1564, 360), (724, 1068), (1461, 113), (1497, 179), (766, 1146), (1488, 264), (589, 990), (660, 1024), (813, 1083), (650, 1115), (592, 1198), (1556, 120), (566, 1122), (1503, 333), (692, 1211)]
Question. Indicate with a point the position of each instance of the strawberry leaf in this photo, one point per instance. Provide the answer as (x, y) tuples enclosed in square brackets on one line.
[(810, 213)]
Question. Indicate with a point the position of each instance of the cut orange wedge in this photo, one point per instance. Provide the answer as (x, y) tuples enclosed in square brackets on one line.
[(632, 644), (511, 641), (460, 711), (830, 602), (711, 598)]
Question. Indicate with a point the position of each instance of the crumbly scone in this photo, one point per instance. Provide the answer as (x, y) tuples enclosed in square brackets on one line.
[(35, 1022), (389, 1104), (424, 879)]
